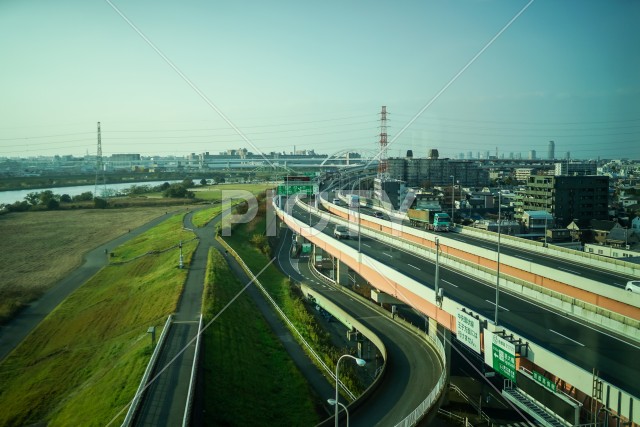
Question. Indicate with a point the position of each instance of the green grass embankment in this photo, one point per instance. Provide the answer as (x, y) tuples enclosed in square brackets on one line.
[(83, 363), (246, 239), (249, 378)]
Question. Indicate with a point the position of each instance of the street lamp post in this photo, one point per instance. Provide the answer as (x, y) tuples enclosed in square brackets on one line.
[(437, 278), (498, 261), (333, 402), (360, 362), (453, 186)]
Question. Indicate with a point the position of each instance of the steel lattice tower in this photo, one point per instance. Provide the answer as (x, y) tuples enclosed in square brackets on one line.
[(382, 158), (99, 164)]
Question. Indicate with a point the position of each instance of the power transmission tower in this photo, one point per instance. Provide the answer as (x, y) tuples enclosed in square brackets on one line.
[(382, 159), (99, 166)]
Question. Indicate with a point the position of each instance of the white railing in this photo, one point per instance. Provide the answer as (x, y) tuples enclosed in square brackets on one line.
[(147, 373), (192, 380), (417, 414)]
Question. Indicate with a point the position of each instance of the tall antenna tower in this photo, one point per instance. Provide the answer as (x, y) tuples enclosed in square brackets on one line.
[(382, 158), (99, 165)]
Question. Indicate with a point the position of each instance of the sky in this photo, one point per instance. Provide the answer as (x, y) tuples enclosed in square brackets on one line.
[(173, 78)]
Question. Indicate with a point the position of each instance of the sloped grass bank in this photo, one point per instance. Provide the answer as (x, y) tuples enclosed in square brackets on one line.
[(249, 378), (83, 363), (248, 242)]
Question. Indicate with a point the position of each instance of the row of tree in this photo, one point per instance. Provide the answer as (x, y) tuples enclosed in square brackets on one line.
[(48, 200)]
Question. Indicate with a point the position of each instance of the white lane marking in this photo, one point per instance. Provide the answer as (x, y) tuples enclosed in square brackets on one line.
[(446, 281), (367, 245), (570, 271), (501, 307), (567, 338), (523, 257), (413, 266), (390, 256)]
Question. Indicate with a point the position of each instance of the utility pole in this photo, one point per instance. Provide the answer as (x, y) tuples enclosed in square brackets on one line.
[(498, 262), (437, 278)]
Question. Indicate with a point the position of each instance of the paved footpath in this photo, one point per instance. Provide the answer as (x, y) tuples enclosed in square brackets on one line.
[(20, 326), (164, 401)]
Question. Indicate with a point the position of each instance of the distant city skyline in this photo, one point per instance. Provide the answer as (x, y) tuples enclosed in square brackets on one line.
[(315, 75)]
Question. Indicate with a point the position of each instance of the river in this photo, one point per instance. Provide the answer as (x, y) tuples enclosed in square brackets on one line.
[(9, 197)]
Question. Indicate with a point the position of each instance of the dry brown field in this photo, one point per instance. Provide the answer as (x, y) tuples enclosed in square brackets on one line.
[(39, 248)]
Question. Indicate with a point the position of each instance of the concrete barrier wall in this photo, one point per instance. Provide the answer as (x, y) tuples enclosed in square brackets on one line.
[(605, 263), (601, 296), (571, 373)]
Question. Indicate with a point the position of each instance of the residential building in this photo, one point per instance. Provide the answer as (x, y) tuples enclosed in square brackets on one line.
[(566, 197), (432, 171), (576, 168)]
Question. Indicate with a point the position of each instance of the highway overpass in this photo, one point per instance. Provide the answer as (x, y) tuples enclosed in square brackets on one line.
[(555, 331)]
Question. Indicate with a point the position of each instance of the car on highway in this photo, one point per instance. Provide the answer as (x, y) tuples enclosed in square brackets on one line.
[(341, 232), (378, 214), (336, 201), (633, 286)]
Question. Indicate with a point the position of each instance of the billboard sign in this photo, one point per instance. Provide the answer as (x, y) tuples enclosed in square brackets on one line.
[(468, 330)]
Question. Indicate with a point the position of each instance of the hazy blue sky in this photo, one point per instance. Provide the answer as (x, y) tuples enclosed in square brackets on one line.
[(314, 75)]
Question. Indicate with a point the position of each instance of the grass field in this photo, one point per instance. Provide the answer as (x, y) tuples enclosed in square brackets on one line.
[(215, 194), (249, 378), (40, 248), (83, 363), (242, 240)]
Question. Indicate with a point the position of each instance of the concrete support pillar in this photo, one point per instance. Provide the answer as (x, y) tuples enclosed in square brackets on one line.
[(444, 332)]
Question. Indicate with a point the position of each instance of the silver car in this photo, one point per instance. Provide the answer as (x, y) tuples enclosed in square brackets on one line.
[(633, 286)]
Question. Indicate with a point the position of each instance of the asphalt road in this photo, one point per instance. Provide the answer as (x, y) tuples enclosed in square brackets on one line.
[(412, 368), (582, 344), (21, 325), (581, 270)]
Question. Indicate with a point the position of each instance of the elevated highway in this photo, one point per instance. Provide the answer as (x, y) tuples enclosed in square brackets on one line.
[(558, 343)]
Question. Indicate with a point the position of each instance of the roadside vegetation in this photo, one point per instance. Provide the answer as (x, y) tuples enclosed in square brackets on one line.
[(40, 248), (217, 194), (249, 378), (83, 363), (251, 244)]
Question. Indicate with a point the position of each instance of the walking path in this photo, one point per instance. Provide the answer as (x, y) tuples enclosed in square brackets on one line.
[(26, 320)]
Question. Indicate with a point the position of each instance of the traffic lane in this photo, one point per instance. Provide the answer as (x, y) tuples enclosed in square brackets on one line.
[(479, 297), (412, 367), (566, 337), (602, 276)]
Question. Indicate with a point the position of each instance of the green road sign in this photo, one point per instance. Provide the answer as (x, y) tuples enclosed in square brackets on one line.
[(288, 190), (504, 357), (544, 381)]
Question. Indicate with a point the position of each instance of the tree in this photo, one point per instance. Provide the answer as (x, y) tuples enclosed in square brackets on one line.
[(53, 204), (203, 181), (65, 198), (32, 198), (84, 197), (46, 196), (187, 183), (99, 203)]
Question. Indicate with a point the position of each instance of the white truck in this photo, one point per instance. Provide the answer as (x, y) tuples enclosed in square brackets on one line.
[(353, 200)]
